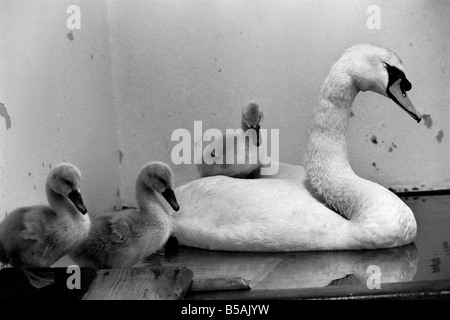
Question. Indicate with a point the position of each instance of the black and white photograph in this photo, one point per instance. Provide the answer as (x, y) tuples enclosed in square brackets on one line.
[(227, 154)]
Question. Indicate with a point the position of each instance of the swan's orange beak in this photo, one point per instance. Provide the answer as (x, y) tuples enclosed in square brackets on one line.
[(397, 93), (169, 195)]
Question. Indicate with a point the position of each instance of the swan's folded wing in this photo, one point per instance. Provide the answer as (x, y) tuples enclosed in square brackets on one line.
[(37, 235), (118, 231), (35, 221)]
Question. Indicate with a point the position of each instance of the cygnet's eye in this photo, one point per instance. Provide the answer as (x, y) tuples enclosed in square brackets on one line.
[(67, 182), (161, 180)]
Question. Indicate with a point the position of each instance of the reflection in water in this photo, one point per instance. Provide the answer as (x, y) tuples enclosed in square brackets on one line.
[(436, 265), (432, 241), (446, 248), (294, 270)]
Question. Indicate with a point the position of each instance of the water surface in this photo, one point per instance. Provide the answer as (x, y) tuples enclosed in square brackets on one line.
[(428, 258)]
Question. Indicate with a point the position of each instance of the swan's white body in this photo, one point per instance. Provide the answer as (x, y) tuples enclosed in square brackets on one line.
[(37, 236), (121, 239), (291, 211)]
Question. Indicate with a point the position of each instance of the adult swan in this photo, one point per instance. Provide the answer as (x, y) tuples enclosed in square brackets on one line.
[(329, 207)]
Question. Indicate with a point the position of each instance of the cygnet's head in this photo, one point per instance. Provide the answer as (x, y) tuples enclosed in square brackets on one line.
[(379, 70), (252, 115), (65, 179), (158, 176)]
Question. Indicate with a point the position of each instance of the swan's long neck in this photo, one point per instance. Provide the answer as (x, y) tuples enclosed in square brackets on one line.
[(60, 204), (326, 159)]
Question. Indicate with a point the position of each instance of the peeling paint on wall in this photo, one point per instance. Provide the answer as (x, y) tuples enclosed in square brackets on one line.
[(374, 139), (4, 114), (427, 121), (120, 156), (440, 136)]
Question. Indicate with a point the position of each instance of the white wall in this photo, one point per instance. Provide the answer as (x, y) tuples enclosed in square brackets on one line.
[(58, 94), (179, 61), (137, 70)]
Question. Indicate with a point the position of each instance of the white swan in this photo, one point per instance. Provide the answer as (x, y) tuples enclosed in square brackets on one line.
[(222, 213), (121, 239), (246, 162), (37, 236)]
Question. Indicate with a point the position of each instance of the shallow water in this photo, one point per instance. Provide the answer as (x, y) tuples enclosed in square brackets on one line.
[(428, 258), (433, 236)]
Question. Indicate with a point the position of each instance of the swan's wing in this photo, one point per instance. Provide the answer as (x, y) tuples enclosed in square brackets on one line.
[(115, 229), (35, 243), (119, 232), (36, 222), (223, 213)]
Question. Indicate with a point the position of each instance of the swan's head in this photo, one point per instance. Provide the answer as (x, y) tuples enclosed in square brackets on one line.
[(158, 176), (380, 70), (252, 115), (65, 179)]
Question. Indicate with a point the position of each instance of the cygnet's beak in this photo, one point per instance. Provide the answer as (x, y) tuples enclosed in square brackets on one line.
[(256, 128), (169, 195), (397, 92), (77, 200)]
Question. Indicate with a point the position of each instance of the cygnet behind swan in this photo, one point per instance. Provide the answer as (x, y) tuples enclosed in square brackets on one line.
[(246, 159)]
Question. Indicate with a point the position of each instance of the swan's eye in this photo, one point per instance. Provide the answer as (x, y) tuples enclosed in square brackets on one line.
[(395, 74), (161, 180)]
